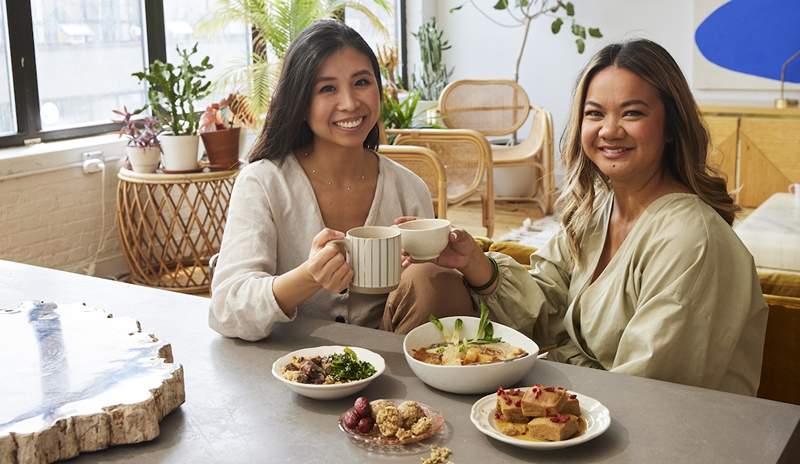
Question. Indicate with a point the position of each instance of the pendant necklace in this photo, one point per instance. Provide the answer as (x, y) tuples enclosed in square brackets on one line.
[(329, 182)]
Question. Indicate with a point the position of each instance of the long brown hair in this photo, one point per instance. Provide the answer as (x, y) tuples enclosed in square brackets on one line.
[(685, 151), (286, 129)]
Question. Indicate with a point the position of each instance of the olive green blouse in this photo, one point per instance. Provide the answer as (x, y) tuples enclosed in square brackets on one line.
[(680, 300)]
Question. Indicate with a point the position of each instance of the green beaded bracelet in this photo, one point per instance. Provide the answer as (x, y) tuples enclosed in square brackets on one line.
[(492, 280)]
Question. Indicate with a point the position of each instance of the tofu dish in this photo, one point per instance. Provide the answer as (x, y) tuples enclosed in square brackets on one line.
[(541, 413)]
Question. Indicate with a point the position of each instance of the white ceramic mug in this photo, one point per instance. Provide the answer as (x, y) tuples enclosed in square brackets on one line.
[(795, 190), (425, 239), (374, 254)]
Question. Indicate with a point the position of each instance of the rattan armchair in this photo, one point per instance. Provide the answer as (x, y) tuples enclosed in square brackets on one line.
[(500, 108), (426, 164), (467, 160)]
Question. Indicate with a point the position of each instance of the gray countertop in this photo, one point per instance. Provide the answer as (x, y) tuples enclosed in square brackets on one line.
[(235, 411)]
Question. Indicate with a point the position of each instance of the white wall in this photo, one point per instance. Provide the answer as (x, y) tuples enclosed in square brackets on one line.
[(51, 213), (550, 66)]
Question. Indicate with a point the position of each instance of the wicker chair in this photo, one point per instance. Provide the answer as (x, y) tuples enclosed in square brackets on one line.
[(426, 164), (467, 160), (498, 108)]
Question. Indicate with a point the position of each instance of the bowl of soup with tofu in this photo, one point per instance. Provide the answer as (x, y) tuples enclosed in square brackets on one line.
[(457, 355)]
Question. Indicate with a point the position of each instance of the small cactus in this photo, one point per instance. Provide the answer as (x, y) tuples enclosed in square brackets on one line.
[(434, 72)]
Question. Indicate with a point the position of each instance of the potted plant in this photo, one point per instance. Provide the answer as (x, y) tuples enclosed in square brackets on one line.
[(172, 92), (143, 150), (398, 111), (219, 130), (523, 13), (435, 74)]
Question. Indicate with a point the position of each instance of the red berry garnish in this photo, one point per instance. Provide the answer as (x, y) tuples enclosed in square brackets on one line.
[(362, 407), (350, 419), (365, 425)]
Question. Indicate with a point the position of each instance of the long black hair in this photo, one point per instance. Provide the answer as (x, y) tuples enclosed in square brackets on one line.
[(286, 128)]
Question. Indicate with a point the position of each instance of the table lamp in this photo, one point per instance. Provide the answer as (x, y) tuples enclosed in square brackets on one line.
[(786, 102)]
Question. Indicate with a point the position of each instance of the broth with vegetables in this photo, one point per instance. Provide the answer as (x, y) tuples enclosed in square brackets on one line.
[(484, 348)]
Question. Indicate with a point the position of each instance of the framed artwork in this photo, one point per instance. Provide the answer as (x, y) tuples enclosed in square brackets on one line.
[(742, 44)]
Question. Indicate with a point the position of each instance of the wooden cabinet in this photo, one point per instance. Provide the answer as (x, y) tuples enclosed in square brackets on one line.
[(756, 148)]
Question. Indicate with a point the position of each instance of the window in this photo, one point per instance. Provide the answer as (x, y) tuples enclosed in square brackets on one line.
[(392, 21), (66, 64), (85, 54), (225, 49), (8, 120)]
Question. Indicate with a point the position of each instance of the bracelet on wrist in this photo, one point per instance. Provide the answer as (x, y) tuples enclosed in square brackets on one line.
[(492, 280)]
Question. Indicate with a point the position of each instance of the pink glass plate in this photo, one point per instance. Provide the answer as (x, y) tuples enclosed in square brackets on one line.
[(375, 437)]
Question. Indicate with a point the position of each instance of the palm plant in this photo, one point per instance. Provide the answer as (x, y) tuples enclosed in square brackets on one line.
[(274, 24)]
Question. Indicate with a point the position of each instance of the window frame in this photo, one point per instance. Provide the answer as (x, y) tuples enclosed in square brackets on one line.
[(25, 83)]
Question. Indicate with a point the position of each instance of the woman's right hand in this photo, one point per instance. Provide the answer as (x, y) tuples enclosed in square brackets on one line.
[(463, 254), (326, 264), (460, 252)]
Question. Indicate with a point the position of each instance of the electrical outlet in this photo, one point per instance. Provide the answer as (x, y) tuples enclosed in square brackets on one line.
[(94, 155)]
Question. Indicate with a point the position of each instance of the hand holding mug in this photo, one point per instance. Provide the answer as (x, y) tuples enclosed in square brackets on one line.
[(326, 265)]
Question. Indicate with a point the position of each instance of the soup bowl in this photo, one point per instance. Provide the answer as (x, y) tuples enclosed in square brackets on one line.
[(471, 378)]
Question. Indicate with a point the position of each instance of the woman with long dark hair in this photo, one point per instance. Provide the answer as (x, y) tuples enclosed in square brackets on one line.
[(314, 174)]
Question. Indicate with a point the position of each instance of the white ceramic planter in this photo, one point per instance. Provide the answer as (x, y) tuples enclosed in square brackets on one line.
[(426, 113), (180, 151), (144, 160), (515, 181)]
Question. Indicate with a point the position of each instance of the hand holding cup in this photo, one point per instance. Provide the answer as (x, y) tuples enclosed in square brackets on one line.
[(326, 264)]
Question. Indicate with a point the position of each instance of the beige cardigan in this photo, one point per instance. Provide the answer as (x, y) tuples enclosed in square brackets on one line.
[(680, 301), (272, 218)]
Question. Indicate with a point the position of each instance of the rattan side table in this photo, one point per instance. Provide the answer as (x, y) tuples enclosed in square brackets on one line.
[(171, 224)]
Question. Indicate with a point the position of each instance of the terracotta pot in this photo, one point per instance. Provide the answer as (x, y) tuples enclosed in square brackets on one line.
[(222, 147), (144, 159)]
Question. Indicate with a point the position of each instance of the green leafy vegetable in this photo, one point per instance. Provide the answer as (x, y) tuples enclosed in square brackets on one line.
[(347, 367), (484, 335), (455, 337)]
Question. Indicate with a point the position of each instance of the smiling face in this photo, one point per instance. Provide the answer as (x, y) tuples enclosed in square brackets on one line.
[(345, 102), (622, 130)]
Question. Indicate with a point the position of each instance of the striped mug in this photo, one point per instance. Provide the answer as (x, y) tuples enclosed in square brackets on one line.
[(374, 254)]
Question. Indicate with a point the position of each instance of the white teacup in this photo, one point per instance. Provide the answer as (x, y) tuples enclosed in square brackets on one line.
[(425, 239), (374, 254)]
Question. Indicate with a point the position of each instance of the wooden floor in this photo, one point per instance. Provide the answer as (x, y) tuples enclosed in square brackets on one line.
[(507, 216)]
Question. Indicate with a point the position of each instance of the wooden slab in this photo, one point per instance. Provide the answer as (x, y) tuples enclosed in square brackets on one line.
[(76, 379)]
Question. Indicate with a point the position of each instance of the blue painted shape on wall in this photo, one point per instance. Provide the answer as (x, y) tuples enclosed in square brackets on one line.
[(753, 37)]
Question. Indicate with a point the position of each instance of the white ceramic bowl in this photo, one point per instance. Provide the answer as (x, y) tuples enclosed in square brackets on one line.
[(472, 378), (333, 391), (425, 238)]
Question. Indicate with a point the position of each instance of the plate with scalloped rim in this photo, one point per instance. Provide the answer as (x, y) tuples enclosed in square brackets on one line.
[(596, 415)]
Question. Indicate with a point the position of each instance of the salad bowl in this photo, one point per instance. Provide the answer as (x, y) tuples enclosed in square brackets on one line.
[(470, 378), (329, 391)]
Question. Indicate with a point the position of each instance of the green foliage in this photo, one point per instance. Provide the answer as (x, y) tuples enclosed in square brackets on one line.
[(274, 24), (484, 334), (347, 367), (526, 11), (434, 72), (399, 114), (173, 90)]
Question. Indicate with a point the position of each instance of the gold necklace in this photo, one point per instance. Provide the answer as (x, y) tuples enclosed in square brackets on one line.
[(329, 182)]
